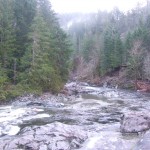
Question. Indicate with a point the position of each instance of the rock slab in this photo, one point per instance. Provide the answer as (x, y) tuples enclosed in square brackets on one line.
[(135, 122), (51, 136)]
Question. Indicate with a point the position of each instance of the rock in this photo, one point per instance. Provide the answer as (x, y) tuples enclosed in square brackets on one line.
[(106, 141), (135, 122), (43, 147), (35, 104), (51, 136), (60, 145)]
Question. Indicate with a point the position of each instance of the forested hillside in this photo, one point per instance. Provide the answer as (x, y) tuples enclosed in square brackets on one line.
[(108, 41), (34, 50)]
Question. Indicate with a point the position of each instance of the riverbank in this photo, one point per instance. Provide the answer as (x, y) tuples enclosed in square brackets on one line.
[(118, 78)]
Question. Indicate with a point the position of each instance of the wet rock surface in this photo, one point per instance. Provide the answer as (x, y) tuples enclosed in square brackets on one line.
[(106, 141), (50, 136), (87, 119), (135, 122)]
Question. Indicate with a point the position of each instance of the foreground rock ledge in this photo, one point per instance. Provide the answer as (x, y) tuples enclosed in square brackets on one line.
[(51, 136), (135, 122)]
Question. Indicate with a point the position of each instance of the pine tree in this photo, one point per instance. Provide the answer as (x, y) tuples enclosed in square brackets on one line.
[(7, 36), (34, 50), (113, 51), (24, 11), (46, 59), (88, 48)]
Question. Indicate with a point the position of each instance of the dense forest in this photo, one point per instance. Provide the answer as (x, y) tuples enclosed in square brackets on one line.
[(108, 41), (34, 50), (36, 54)]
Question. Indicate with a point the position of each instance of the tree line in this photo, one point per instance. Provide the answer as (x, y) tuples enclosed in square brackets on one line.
[(34, 50), (113, 38)]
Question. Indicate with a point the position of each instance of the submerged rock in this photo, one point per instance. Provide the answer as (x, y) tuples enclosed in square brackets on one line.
[(135, 122)]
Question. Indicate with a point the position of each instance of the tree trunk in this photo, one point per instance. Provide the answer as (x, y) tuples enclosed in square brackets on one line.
[(15, 71)]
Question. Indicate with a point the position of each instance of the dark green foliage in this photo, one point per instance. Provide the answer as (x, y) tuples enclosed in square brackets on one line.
[(24, 12), (46, 60), (7, 36), (88, 47), (129, 41), (34, 50), (113, 51)]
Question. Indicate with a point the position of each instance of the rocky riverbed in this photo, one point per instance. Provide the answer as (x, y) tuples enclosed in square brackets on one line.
[(84, 118)]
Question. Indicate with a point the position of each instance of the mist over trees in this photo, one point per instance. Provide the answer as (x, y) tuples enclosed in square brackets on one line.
[(34, 50), (110, 40)]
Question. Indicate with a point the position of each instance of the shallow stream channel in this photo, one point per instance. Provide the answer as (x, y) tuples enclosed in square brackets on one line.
[(86, 118)]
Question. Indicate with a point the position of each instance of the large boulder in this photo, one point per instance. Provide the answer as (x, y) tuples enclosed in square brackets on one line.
[(135, 122)]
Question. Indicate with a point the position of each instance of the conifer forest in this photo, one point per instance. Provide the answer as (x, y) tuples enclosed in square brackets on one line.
[(34, 50), (41, 50)]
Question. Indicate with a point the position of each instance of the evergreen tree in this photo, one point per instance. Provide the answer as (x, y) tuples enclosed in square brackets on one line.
[(47, 57), (88, 47), (24, 11), (7, 36), (34, 50), (113, 51)]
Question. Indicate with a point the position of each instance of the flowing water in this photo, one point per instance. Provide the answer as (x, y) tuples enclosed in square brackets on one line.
[(95, 114)]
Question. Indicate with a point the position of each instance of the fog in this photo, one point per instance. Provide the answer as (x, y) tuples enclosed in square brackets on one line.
[(85, 6)]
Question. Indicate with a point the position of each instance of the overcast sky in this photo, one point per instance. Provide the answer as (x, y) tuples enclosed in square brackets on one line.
[(63, 6)]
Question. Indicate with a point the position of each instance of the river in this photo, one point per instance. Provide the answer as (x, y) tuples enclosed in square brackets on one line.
[(89, 120)]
